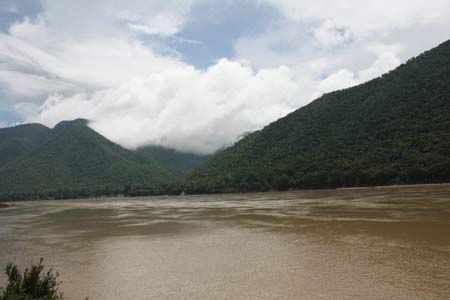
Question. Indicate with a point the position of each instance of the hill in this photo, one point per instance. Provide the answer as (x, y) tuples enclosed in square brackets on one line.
[(74, 161), (176, 162), (19, 140), (392, 130)]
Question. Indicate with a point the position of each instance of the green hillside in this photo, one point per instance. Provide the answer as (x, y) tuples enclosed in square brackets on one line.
[(78, 161), (176, 162), (19, 140), (392, 130)]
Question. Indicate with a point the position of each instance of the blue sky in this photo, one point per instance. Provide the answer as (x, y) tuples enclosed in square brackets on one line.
[(14, 11), (217, 27), (196, 74)]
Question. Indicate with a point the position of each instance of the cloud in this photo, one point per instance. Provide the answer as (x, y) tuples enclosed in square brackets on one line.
[(343, 29), (329, 35), (25, 85), (365, 17), (164, 25), (109, 17), (83, 63), (183, 108), (387, 59)]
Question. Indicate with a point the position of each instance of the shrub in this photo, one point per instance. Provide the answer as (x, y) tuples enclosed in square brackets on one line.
[(34, 284)]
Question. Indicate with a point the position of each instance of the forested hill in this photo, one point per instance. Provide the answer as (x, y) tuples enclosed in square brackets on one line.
[(177, 163), (77, 161), (19, 140), (72, 160), (392, 130)]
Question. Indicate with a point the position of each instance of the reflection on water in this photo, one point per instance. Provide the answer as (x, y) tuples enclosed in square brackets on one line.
[(379, 243)]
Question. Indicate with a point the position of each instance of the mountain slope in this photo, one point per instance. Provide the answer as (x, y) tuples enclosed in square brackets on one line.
[(76, 157), (176, 162), (19, 140), (393, 129)]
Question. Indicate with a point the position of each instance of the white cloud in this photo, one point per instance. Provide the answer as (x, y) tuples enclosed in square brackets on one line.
[(164, 18), (25, 85), (183, 108), (164, 25), (387, 59), (83, 63), (339, 80), (329, 35), (365, 17), (111, 18), (340, 31)]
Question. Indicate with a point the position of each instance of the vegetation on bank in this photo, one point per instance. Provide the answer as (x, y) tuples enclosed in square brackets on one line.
[(33, 284), (79, 193)]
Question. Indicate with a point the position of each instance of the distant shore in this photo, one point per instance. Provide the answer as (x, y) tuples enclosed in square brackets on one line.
[(119, 197), (396, 186)]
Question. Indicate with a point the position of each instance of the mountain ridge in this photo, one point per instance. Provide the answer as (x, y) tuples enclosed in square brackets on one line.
[(20, 139), (391, 130), (74, 161)]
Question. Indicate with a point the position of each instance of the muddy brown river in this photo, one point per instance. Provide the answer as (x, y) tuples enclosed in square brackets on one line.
[(377, 243)]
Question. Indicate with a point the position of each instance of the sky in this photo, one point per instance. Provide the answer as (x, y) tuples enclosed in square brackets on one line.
[(197, 75)]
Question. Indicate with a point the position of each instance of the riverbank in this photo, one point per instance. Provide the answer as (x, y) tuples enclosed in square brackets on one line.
[(397, 186), (121, 196)]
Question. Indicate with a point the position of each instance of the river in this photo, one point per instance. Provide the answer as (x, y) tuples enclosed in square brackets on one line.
[(375, 243)]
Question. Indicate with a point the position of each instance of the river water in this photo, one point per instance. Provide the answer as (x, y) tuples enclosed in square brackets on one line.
[(377, 243)]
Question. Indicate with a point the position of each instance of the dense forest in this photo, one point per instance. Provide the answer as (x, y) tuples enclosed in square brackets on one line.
[(392, 130), (72, 161), (177, 163), (19, 140)]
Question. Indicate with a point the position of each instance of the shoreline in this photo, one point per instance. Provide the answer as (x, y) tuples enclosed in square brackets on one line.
[(397, 186), (4, 204)]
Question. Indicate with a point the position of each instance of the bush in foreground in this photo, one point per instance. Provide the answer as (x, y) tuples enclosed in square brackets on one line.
[(34, 284)]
